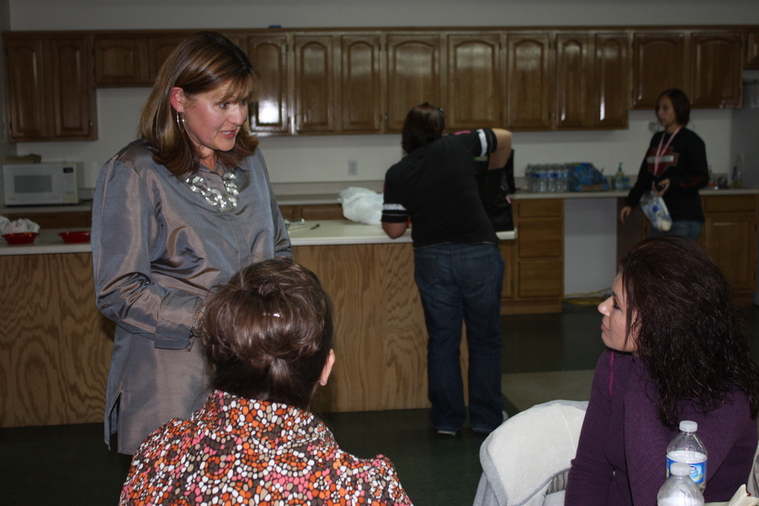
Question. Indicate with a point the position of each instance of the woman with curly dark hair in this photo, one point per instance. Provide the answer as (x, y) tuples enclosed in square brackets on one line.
[(677, 350)]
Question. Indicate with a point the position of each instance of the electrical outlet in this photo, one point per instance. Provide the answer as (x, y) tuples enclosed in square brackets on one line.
[(352, 168)]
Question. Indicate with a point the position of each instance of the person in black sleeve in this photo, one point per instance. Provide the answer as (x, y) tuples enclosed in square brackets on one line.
[(674, 167), (457, 265)]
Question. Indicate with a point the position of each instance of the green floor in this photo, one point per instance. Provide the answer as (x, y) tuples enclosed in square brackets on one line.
[(69, 465)]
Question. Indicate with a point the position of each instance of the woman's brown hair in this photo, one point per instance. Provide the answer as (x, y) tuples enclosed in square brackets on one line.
[(203, 62), (268, 333), (680, 104), (691, 337), (423, 124)]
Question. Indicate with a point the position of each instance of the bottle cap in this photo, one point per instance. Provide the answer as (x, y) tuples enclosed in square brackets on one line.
[(688, 426), (679, 469)]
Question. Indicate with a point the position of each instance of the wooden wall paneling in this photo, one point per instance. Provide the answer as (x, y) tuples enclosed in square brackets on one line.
[(268, 55), (361, 90), (56, 346), (573, 80), (314, 83), (612, 80), (413, 74), (716, 69), (474, 78)]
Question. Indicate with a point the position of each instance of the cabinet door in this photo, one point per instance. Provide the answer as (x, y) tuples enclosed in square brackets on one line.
[(528, 104), (612, 80), (73, 95), (314, 81), (361, 84), (658, 64), (26, 94), (752, 50), (573, 80), (716, 73), (730, 241), (268, 55), (474, 98), (159, 48), (118, 62), (413, 75)]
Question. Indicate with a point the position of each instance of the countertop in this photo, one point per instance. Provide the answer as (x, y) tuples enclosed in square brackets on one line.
[(314, 233)]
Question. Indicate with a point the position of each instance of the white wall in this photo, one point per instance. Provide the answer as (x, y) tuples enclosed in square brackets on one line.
[(590, 226)]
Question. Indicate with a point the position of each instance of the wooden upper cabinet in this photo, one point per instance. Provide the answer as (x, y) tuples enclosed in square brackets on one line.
[(73, 94), (413, 74), (612, 80), (474, 81), (361, 84), (26, 91), (658, 64), (119, 61), (529, 84), (159, 49), (573, 80), (314, 83), (268, 55), (50, 92), (716, 72), (752, 49)]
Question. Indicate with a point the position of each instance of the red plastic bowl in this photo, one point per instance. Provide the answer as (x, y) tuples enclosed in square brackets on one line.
[(21, 237), (75, 237)]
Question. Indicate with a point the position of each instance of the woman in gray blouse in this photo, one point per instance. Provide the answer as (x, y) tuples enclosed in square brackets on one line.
[(176, 213)]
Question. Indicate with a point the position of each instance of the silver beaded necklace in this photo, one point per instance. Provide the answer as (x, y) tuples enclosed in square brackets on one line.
[(226, 201)]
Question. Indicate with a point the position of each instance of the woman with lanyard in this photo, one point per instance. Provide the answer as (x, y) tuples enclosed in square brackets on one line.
[(674, 168)]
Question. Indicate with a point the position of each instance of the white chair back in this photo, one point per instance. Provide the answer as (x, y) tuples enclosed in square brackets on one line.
[(525, 461)]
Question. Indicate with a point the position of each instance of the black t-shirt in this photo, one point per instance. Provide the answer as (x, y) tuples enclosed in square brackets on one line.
[(435, 186), (684, 164)]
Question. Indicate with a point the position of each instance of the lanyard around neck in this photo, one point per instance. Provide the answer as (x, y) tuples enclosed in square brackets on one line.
[(660, 151)]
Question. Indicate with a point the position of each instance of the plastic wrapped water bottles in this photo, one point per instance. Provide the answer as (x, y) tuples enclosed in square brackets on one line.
[(687, 448), (679, 489)]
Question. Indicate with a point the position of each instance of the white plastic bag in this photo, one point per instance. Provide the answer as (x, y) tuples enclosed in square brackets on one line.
[(361, 205), (656, 211)]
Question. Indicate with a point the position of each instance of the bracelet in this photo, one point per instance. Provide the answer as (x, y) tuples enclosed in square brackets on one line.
[(195, 330)]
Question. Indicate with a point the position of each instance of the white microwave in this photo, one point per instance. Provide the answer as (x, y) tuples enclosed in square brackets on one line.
[(46, 183)]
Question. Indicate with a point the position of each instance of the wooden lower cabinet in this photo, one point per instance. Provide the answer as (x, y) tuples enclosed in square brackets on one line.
[(312, 212), (55, 348), (730, 237), (537, 261)]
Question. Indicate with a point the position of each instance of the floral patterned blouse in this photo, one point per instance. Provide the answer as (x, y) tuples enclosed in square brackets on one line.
[(242, 451)]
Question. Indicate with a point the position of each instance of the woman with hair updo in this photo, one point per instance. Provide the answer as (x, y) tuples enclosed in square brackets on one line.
[(174, 213), (674, 168), (267, 336), (677, 350)]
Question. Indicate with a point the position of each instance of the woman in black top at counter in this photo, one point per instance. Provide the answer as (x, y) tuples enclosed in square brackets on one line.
[(674, 167)]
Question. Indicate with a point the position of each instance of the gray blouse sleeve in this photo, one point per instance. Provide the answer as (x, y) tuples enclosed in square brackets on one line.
[(122, 230)]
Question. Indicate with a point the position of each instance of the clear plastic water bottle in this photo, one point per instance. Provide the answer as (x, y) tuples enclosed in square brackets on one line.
[(679, 489), (687, 448)]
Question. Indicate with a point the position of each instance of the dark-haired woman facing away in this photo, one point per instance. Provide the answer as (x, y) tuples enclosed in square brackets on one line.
[(175, 213), (677, 350), (457, 265), (267, 335), (674, 167)]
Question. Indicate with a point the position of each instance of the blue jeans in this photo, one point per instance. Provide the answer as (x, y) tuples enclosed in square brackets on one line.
[(462, 282), (689, 229)]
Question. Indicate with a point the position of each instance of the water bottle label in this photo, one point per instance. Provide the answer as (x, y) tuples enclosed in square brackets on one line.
[(697, 470)]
